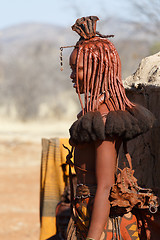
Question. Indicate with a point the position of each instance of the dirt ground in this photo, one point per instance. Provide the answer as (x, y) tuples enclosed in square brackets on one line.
[(20, 151)]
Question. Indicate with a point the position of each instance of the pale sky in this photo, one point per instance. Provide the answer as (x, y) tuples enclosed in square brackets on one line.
[(61, 12)]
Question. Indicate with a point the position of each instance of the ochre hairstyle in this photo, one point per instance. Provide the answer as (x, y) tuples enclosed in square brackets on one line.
[(100, 55)]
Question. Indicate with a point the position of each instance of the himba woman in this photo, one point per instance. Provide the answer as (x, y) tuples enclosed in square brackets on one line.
[(107, 120)]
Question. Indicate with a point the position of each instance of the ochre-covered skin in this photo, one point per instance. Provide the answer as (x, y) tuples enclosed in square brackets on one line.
[(96, 73), (90, 76)]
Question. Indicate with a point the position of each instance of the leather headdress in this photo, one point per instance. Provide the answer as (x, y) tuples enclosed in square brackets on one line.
[(86, 27)]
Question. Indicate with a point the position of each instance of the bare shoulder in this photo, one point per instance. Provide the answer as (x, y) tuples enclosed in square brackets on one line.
[(109, 142)]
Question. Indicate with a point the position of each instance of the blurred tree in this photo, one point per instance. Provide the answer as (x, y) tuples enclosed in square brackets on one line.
[(33, 81), (78, 9), (147, 15)]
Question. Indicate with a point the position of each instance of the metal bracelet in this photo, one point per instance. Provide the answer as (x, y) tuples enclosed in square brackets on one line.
[(153, 208)]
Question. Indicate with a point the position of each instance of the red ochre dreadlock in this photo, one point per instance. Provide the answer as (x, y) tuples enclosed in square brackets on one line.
[(100, 55)]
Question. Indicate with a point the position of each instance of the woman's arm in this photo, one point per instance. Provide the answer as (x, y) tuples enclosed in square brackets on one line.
[(105, 170)]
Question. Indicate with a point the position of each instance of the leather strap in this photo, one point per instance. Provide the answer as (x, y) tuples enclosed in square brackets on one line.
[(68, 161), (128, 157)]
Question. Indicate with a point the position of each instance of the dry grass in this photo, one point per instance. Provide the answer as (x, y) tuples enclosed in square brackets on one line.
[(20, 150)]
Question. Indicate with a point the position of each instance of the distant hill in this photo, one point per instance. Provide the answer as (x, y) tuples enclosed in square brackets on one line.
[(12, 39), (31, 82)]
